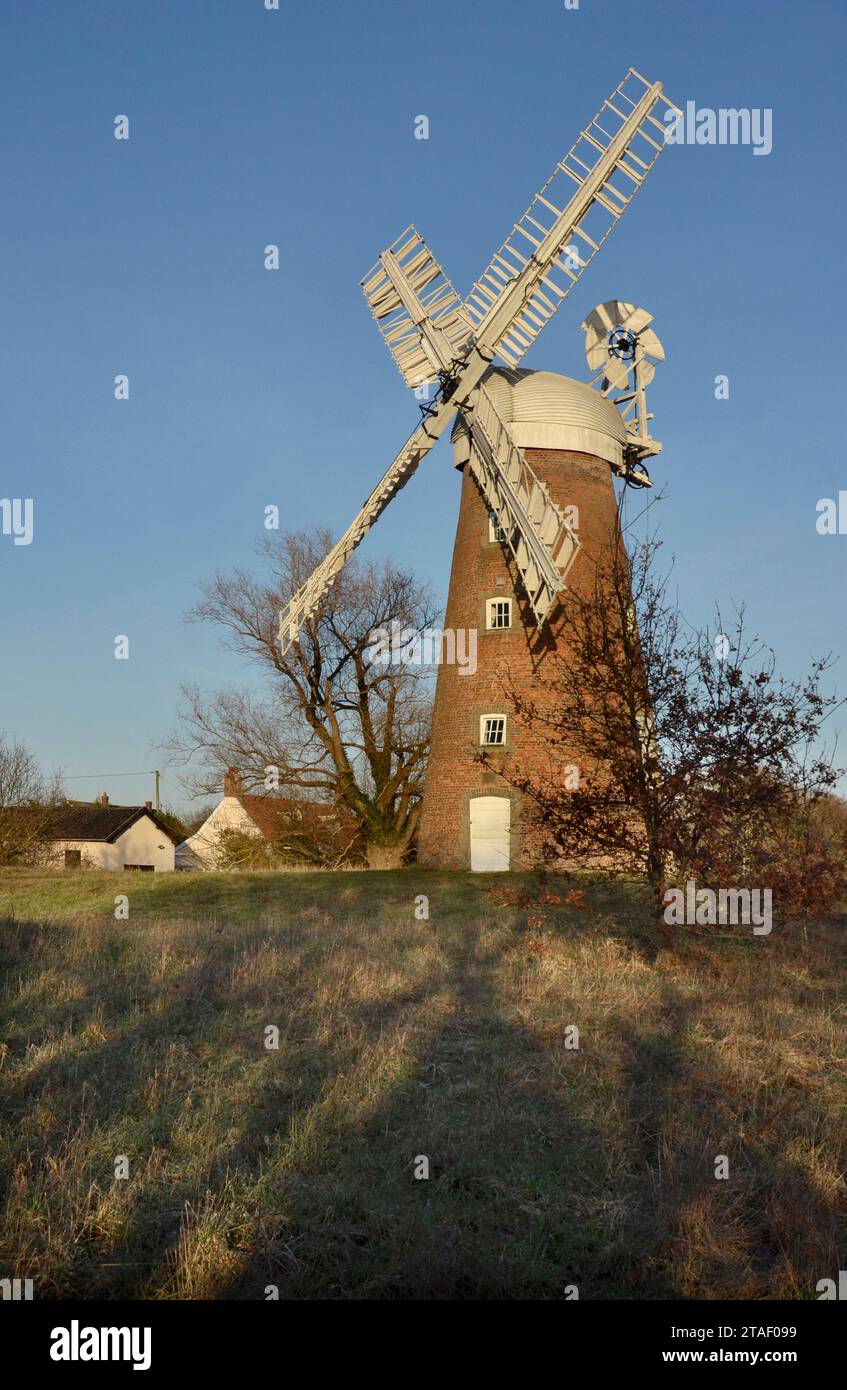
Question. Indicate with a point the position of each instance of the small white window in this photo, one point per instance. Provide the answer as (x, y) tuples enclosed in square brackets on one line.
[(499, 612), (495, 531), (492, 730)]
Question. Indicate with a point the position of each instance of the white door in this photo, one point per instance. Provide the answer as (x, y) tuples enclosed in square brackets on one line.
[(490, 820)]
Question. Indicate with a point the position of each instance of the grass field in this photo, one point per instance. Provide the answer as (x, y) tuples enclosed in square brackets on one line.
[(549, 1166)]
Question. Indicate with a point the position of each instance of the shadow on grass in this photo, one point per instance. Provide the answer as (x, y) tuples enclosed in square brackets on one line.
[(719, 1208), (308, 1182), (498, 1216)]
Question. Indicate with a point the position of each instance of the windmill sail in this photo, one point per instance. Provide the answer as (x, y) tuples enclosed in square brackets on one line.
[(569, 219), (543, 544), (308, 599), (423, 330)]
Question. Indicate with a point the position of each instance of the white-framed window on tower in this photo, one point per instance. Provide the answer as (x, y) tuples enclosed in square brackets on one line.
[(498, 613), (492, 730), (495, 530)]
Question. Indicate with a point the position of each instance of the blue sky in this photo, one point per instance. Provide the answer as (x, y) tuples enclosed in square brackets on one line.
[(250, 387)]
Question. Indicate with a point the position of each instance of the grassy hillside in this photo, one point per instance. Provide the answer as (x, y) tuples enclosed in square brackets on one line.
[(549, 1166)]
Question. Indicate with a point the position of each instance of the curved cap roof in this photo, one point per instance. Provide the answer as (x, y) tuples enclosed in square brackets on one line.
[(547, 411)]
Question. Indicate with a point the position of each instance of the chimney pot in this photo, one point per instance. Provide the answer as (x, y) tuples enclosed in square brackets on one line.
[(232, 782), (104, 798), (148, 806)]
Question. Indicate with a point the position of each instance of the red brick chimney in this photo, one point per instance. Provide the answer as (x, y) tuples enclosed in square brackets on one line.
[(104, 798), (232, 782), (148, 806)]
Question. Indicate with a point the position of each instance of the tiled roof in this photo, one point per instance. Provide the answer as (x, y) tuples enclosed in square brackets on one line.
[(104, 823), (276, 815)]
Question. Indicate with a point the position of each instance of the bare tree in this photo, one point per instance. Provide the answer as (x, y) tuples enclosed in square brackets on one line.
[(689, 756), (198, 817), (27, 799), (329, 722)]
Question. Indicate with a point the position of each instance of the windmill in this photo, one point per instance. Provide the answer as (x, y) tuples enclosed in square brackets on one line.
[(434, 337), (438, 340)]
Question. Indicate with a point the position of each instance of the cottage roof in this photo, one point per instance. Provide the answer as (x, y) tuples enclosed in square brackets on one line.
[(274, 815), (104, 823)]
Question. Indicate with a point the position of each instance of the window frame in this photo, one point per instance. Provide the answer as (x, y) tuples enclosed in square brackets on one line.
[(490, 718), (496, 534), (490, 609)]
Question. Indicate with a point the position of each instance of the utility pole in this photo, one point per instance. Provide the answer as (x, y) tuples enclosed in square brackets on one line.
[(156, 775)]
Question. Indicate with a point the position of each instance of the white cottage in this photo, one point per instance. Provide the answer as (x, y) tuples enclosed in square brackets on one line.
[(233, 812), (281, 821), (110, 837)]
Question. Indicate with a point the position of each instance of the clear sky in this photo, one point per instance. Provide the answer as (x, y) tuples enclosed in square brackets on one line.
[(250, 387)]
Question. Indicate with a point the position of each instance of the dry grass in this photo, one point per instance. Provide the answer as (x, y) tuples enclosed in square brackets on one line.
[(549, 1166)]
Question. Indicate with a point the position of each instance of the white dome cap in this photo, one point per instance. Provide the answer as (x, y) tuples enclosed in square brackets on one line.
[(547, 411)]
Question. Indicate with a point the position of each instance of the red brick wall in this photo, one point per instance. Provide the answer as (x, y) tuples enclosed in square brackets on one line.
[(454, 778)]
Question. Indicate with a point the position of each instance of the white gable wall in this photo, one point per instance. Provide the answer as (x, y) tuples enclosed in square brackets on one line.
[(142, 843), (200, 850)]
